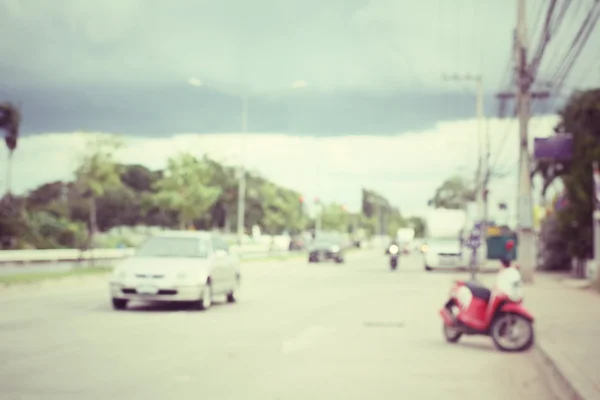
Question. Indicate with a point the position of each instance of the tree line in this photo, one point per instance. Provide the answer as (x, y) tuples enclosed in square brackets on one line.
[(568, 230), (190, 193)]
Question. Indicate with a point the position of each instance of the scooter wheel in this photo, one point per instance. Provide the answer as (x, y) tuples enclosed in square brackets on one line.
[(451, 334), (501, 330)]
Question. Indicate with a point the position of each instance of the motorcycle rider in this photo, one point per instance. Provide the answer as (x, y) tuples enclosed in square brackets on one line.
[(508, 280), (393, 242)]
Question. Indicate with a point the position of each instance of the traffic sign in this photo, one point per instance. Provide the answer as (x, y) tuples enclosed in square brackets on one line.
[(474, 240)]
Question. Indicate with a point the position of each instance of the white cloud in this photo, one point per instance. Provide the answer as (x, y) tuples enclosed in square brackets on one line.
[(406, 168)]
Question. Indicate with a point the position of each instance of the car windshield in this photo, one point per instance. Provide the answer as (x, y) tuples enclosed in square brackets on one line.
[(325, 240), (173, 247), (443, 242)]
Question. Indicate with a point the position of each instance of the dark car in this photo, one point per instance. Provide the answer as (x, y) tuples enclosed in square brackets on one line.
[(297, 243), (325, 248)]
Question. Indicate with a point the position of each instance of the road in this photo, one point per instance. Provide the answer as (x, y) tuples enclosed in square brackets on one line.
[(300, 331)]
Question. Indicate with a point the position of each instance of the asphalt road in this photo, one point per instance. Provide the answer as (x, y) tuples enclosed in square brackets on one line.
[(300, 331)]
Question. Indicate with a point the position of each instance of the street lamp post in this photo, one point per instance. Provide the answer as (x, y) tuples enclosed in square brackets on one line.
[(242, 175)]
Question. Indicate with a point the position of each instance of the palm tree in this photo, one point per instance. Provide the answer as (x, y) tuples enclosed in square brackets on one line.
[(10, 119)]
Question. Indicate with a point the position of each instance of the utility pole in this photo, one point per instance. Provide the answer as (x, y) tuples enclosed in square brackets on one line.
[(486, 181), (242, 173), (481, 178), (526, 257), (526, 236), (318, 215)]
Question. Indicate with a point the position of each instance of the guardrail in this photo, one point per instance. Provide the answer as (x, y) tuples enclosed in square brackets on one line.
[(74, 255), (25, 257)]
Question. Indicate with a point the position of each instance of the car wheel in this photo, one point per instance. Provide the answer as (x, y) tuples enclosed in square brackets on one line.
[(428, 268), (339, 260), (233, 295), (207, 294), (119, 304)]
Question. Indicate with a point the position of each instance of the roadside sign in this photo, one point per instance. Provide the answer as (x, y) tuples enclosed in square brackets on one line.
[(474, 238)]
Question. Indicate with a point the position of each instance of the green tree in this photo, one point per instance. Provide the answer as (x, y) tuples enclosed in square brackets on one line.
[(10, 121), (185, 189), (394, 222), (98, 173), (454, 193), (334, 217), (581, 118), (118, 206), (554, 250), (369, 224), (138, 177), (224, 211), (13, 224), (418, 224), (47, 231), (281, 209)]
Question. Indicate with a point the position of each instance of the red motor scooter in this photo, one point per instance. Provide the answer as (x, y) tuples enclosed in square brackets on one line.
[(476, 310)]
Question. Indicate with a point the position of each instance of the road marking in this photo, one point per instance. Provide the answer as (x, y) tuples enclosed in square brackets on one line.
[(303, 339)]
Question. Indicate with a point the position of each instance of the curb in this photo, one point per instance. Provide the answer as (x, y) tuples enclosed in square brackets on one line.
[(563, 378)]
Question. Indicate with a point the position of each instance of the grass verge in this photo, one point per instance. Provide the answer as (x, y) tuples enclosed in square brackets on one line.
[(34, 277)]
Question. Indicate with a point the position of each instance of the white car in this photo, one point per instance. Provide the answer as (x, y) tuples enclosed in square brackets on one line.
[(177, 266), (442, 253)]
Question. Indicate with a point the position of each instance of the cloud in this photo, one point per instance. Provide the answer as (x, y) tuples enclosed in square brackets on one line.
[(406, 168), (261, 46), (369, 66)]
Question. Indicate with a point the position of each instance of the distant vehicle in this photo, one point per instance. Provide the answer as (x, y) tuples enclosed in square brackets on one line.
[(443, 246), (442, 253), (404, 239), (297, 243), (326, 247), (177, 266), (394, 256)]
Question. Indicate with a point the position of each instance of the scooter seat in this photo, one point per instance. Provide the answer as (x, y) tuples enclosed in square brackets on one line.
[(478, 291)]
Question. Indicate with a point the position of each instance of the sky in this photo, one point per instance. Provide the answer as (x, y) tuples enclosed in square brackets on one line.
[(373, 104)]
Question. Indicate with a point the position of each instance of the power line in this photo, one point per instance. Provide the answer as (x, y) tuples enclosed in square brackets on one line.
[(590, 68), (556, 24), (544, 40), (577, 46)]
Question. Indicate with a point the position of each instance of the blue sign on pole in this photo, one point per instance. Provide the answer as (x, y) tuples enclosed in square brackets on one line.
[(475, 238)]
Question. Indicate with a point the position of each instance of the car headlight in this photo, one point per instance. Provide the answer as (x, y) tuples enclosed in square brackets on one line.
[(394, 249), (335, 249), (424, 248)]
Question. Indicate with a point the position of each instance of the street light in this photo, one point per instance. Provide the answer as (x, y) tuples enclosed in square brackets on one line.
[(299, 85), (196, 82)]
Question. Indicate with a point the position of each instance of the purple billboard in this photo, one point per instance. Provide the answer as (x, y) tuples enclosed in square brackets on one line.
[(555, 148)]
